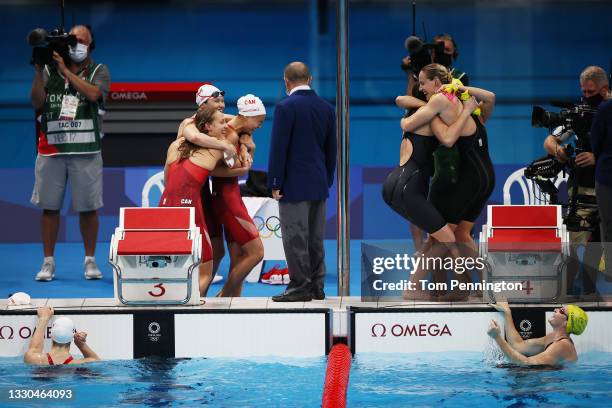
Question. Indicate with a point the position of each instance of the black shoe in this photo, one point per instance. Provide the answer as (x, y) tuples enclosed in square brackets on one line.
[(318, 294), (300, 296)]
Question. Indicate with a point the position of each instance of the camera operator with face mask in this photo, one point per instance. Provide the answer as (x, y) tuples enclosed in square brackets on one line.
[(70, 94), (594, 87)]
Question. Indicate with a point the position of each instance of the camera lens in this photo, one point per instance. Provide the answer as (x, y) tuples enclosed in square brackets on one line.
[(155, 264)]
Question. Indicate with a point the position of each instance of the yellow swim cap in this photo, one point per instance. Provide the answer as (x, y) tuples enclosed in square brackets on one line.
[(577, 319)]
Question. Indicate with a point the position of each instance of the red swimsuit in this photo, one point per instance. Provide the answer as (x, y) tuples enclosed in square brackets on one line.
[(50, 360), (227, 207), (184, 182)]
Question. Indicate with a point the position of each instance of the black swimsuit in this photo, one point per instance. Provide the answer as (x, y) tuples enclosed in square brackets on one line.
[(465, 200), (405, 189)]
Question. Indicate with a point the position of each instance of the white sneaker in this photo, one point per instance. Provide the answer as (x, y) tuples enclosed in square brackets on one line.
[(46, 273), (91, 270), (217, 278)]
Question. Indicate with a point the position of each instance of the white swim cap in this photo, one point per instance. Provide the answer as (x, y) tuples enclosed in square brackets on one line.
[(19, 298), (207, 91), (250, 105), (62, 330)]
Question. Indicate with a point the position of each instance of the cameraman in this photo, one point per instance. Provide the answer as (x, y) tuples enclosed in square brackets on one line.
[(70, 92), (443, 51), (594, 87), (601, 141)]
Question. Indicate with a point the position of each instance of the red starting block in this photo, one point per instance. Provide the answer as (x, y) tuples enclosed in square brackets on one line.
[(527, 244), (154, 253)]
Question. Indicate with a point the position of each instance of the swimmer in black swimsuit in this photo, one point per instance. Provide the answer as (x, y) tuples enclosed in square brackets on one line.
[(405, 189), (554, 349)]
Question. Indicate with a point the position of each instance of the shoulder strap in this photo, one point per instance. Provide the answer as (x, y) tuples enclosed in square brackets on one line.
[(93, 71), (49, 359), (68, 360)]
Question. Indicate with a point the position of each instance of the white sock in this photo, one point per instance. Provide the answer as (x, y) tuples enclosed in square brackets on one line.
[(49, 259), (90, 258)]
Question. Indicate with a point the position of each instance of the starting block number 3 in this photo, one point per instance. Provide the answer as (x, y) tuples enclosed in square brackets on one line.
[(158, 290)]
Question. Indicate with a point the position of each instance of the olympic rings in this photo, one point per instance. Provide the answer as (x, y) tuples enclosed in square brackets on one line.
[(268, 227)]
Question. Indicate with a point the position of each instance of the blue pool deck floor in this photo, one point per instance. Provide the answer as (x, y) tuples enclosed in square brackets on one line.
[(22, 261)]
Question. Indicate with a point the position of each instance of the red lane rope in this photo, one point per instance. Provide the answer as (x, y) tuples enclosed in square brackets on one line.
[(337, 376)]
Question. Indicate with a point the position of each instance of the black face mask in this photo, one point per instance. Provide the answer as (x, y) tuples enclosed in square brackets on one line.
[(594, 100), (444, 59)]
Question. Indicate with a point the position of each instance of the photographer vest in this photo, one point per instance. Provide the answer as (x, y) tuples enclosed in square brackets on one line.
[(65, 135)]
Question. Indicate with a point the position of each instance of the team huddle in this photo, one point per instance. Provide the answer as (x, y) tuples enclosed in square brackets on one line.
[(211, 143), (450, 116)]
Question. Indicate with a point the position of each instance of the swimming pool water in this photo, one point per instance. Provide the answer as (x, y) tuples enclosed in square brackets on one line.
[(376, 380), (476, 380)]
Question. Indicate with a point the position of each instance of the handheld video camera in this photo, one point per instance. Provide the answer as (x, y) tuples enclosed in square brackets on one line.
[(543, 171), (577, 118), (420, 53), (44, 44)]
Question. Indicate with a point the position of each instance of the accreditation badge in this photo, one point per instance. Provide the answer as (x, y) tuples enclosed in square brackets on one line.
[(70, 103)]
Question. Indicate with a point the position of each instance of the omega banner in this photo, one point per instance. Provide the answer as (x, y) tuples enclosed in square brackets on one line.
[(412, 332), (109, 335)]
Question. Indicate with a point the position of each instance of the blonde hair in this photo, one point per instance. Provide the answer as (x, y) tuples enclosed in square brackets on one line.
[(439, 71)]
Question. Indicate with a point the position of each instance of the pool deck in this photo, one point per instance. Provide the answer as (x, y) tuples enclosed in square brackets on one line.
[(339, 306)]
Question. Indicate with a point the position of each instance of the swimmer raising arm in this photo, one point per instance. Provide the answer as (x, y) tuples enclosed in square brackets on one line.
[(557, 353)]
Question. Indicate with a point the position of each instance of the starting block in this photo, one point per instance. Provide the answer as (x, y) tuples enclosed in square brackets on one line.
[(154, 253), (526, 244)]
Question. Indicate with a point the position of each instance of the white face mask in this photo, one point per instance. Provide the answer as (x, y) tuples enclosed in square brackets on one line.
[(78, 53)]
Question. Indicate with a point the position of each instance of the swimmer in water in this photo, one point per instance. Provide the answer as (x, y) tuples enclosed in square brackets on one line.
[(554, 349), (62, 334)]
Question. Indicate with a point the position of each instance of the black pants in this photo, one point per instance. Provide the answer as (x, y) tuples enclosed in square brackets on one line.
[(303, 228), (604, 201)]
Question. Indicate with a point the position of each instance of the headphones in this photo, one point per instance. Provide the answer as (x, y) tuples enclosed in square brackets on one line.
[(445, 36), (93, 42)]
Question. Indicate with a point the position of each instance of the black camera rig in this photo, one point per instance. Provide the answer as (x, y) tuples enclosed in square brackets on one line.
[(572, 119), (44, 43)]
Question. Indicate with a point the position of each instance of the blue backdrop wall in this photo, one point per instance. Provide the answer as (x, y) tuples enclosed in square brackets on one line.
[(526, 52)]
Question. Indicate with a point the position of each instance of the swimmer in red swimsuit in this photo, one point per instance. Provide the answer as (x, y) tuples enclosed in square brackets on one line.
[(186, 172), (245, 246), (62, 333), (212, 96)]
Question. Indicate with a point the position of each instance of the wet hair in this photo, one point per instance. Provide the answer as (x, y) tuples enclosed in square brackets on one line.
[(297, 72), (595, 74), (204, 115), (432, 71)]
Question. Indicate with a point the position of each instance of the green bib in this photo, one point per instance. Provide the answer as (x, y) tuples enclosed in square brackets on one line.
[(77, 136)]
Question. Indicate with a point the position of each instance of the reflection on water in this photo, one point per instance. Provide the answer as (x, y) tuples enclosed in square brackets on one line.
[(389, 380)]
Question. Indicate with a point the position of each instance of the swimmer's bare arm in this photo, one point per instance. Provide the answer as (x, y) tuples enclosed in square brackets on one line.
[(189, 131), (553, 355), (224, 171), (424, 115), (88, 354), (486, 97), (247, 148), (448, 135), (528, 347), (409, 102), (35, 355)]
